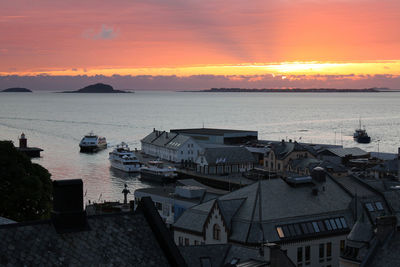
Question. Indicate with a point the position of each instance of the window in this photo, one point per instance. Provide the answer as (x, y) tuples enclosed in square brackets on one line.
[(342, 220), (342, 245), (369, 207), (321, 252), (196, 242), (299, 254), (316, 228), (180, 241), (280, 232), (333, 224), (216, 232), (379, 205), (329, 250), (186, 241), (307, 256), (338, 223), (328, 225)]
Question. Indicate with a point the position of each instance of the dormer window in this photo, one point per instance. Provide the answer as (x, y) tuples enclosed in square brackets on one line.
[(216, 232)]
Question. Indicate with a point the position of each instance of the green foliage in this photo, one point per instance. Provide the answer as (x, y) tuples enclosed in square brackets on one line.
[(25, 187)]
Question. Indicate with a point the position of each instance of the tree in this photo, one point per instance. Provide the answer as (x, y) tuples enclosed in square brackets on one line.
[(25, 187)]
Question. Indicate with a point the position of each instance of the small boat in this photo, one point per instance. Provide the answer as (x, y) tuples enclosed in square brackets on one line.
[(156, 171), (92, 143), (122, 158), (360, 135)]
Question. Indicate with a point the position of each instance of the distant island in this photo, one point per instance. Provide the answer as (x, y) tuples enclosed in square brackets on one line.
[(296, 90), (16, 90), (97, 88)]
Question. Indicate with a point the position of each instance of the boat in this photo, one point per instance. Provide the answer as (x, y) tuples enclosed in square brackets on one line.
[(361, 136), (124, 159), (92, 143), (155, 171)]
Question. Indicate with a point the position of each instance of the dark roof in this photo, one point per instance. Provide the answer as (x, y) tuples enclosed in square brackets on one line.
[(5, 221), (241, 209), (228, 155), (349, 151), (211, 131), (362, 230), (163, 139), (137, 239), (283, 149), (388, 255), (391, 166)]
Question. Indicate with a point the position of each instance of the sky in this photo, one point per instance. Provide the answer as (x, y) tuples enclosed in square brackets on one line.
[(198, 44)]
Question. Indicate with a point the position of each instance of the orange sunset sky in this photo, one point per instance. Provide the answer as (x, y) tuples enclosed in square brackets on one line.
[(197, 44)]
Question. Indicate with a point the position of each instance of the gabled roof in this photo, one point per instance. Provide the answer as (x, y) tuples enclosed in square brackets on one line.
[(193, 219), (283, 149), (253, 212), (163, 139), (227, 155), (138, 238), (342, 152), (387, 166)]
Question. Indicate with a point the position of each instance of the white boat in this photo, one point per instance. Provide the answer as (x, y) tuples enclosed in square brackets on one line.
[(122, 158), (92, 143), (156, 171)]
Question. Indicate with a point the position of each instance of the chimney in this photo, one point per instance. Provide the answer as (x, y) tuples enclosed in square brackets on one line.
[(154, 129), (271, 252), (23, 142), (318, 175), (385, 227), (290, 140), (68, 214), (166, 135), (283, 141)]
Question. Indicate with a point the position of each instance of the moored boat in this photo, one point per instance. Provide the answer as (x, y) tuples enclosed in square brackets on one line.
[(122, 158), (92, 143), (156, 171)]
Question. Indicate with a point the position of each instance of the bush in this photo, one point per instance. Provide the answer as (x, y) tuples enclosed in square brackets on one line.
[(25, 187)]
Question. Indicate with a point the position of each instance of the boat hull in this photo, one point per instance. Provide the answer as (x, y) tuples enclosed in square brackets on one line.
[(91, 149), (125, 168), (363, 139), (156, 177)]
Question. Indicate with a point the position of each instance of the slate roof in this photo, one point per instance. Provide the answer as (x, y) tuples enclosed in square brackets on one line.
[(362, 230), (210, 131), (193, 219), (283, 149), (118, 239), (342, 152), (387, 255), (228, 155), (391, 166), (163, 139), (248, 221)]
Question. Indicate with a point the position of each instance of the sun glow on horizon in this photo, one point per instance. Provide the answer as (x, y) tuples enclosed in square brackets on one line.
[(391, 67)]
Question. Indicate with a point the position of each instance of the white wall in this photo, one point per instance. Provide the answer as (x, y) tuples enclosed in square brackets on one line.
[(216, 218)]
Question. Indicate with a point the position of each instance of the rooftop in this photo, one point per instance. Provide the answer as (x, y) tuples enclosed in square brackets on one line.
[(212, 131)]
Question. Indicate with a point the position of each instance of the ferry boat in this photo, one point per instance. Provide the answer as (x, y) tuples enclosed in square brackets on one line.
[(92, 143), (360, 135), (122, 158), (156, 171)]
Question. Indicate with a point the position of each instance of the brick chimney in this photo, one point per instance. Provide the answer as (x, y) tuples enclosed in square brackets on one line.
[(23, 142), (68, 214)]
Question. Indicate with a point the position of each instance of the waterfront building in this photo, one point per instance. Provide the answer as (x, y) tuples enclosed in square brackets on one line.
[(171, 202), (224, 160), (281, 153), (219, 136), (170, 146), (341, 155), (310, 222), (71, 238), (304, 166)]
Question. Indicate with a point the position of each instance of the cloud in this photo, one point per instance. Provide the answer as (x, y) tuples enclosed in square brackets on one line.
[(105, 33)]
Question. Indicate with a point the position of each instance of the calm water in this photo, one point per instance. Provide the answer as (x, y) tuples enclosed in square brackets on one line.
[(57, 122)]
